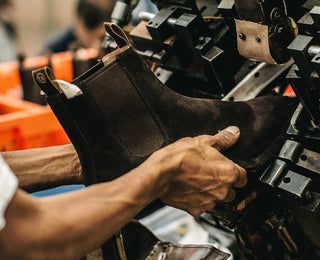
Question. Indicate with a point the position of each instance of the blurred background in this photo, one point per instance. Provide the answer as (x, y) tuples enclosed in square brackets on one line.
[(36, 21)]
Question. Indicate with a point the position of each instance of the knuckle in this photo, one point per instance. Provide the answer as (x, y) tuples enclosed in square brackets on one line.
[(233, 175), (225, 138), (185, 160), (229, 167), (243, 176), (222, 194)]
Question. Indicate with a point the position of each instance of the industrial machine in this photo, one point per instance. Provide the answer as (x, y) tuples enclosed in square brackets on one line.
[(236, 50)]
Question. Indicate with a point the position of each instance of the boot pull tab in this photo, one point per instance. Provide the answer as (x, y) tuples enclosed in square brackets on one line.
[(45, 79), (117, 34)]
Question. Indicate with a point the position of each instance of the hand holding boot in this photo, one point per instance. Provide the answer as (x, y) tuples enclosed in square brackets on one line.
[(190, 174), (195, 175)]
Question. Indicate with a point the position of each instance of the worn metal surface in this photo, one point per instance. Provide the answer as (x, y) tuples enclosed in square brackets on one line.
[(253, 41), (256, 81), (295, 183), (273, 173)]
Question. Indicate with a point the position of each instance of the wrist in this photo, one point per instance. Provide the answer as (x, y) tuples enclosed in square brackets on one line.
[(162, 169)]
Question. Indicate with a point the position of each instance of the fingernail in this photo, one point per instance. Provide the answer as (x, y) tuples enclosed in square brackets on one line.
[(233, 130)]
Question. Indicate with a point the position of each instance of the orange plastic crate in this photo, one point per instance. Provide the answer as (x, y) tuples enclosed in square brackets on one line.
[(24, 125), (10, 83)]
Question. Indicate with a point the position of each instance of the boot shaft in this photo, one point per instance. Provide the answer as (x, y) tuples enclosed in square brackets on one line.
[(125, 113)]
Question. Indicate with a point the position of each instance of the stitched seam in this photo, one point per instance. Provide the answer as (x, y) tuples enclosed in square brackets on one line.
[(81, 83), (105, 119), (147, 101)]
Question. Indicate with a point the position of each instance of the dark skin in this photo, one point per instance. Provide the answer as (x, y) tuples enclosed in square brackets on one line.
[(190, 174), (54, 166)]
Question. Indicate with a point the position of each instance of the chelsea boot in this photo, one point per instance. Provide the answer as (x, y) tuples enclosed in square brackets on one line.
[(118, 113)]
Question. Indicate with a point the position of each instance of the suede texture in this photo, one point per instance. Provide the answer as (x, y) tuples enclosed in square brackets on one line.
[(126, 113), (262, 121)]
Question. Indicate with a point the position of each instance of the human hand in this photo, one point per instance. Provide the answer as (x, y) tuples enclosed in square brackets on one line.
[(195, 175)]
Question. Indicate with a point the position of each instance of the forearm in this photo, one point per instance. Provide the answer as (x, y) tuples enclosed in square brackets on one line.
[(189, 174), (70, 225), (42, 168)]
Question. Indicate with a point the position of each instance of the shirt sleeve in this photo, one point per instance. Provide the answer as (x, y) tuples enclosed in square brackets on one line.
[(8, 187)]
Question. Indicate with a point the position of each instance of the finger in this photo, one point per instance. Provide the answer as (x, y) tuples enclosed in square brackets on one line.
[(226, 138), (231, 195), (242, 177), (222, 140)]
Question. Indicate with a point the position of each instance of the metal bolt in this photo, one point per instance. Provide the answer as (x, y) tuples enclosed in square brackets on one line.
[(242, 36), (201, 39), (258, 39)]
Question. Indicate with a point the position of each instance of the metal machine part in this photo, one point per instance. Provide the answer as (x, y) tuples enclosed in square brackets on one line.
[(253, 41), (275, 29), (183, 39), (295, 174), (122, 10), (304, 76), (277, 215), (289, 189), (256, 81)]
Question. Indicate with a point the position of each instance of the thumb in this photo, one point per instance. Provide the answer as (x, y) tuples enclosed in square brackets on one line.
[(226, 138)]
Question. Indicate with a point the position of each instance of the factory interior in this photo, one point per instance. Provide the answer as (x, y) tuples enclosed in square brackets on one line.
[(160, 129)]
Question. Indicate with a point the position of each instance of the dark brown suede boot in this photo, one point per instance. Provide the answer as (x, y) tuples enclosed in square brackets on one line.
[(123, 113)]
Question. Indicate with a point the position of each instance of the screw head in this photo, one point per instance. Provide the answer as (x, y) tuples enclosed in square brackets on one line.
[(242, 36), (201, 39)]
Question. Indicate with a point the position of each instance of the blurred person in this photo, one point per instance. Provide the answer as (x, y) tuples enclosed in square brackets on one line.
[(7, 34), (87, 30)]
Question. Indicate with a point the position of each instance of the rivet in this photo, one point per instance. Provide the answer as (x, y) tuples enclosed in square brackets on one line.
[(201, 39), (242, 36)]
